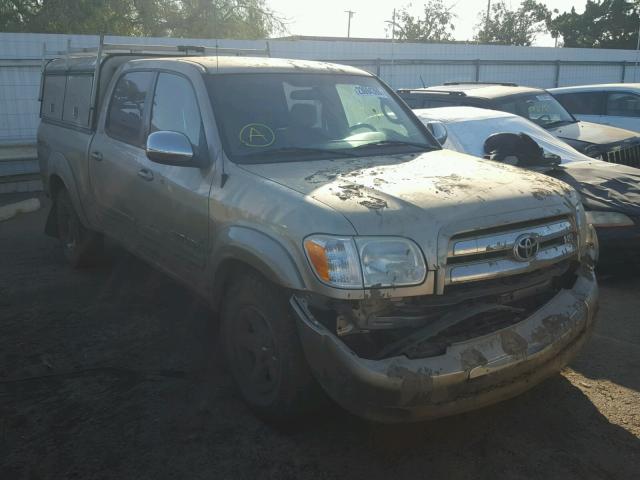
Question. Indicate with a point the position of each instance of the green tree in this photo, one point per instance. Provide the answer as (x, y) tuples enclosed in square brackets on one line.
[(513, 27), (435, 24), (187, 18), (604, 24)]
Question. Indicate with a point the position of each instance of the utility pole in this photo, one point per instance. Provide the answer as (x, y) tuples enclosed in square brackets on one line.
[(350, 13), (486, 22)]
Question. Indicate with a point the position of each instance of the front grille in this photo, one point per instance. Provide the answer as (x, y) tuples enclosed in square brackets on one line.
[(625, 155), (491, 254)]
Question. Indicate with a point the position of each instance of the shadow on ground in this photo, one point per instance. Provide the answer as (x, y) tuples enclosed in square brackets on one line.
[(113, 373)]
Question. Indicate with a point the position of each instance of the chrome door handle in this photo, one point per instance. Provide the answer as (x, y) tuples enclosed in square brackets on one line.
[(96, 155), (145, 174)]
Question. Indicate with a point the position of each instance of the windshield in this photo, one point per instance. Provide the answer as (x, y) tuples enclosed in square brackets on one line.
[(266, 118), (541, 108)]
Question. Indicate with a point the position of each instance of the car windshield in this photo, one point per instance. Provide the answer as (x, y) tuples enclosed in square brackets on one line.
[(541, 108), (266, 118)]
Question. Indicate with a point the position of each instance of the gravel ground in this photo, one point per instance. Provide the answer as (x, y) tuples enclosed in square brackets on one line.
[(113, 373)]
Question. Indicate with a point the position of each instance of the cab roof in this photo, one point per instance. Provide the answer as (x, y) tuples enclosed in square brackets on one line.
[(212, 64)]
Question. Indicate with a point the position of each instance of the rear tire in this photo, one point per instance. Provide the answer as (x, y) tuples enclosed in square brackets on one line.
[(263, 351), (81, 246)]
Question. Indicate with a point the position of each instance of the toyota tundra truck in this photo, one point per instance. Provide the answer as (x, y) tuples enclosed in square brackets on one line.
[(343, 249)]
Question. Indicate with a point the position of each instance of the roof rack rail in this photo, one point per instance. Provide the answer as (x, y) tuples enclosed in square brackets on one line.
[(432, 90), (502, 84)]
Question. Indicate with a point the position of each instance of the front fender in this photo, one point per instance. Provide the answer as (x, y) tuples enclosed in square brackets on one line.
[(259, 251)]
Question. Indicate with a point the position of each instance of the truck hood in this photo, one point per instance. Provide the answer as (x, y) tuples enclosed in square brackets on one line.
[(595, 133), (417, 195)]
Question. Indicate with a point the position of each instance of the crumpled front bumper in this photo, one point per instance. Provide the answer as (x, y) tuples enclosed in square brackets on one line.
[(471, 374)]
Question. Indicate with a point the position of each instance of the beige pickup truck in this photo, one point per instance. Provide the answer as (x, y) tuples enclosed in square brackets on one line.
[(343, 248)]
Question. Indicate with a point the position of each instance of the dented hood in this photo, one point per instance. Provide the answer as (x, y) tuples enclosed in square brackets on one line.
[(604, 186), (417, 195)]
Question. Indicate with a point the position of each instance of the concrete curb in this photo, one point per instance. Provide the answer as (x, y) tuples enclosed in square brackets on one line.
[(13, 209)]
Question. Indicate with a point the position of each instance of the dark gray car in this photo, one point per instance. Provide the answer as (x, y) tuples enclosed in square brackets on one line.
[(604, 142)]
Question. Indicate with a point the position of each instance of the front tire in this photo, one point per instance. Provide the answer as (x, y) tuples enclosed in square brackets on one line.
[(81, 246), (264, 353)]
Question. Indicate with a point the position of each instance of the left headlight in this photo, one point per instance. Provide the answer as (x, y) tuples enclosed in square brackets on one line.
[(365, 262), (608, 219)]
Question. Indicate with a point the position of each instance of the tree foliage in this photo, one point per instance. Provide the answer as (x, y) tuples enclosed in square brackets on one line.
[(435, 24), (604, 24), (188, 18), (513, 27)]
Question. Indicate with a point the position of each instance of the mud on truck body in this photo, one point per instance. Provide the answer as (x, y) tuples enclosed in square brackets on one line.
[(343, 248)]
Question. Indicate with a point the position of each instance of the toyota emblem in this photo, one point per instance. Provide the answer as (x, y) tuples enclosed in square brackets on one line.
[(526, 247)]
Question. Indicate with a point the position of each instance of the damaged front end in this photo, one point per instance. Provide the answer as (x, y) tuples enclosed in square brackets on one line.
[(481, 338)]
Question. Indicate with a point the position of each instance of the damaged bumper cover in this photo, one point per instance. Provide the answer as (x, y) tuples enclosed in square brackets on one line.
[(471, 374)]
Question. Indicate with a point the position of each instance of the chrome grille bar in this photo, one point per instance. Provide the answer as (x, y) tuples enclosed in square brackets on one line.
[(484, 256), (506, 241)]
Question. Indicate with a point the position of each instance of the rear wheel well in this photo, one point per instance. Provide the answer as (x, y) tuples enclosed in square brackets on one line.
[(55, 185)]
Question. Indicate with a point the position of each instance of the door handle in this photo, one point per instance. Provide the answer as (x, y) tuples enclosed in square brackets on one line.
[(96, 155), (145, 174)]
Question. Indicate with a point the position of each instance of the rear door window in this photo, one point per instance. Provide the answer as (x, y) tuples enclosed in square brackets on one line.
[(126, 110), (584, 103), (623, 104)]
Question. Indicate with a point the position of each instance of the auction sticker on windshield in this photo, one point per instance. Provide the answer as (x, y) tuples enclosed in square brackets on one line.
[(370, 91), (257, 135)]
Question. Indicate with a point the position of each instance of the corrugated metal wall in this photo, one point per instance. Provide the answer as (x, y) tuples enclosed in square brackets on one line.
[(400, 65)]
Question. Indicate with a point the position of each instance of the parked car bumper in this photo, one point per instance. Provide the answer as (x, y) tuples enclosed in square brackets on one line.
[(471, 374)]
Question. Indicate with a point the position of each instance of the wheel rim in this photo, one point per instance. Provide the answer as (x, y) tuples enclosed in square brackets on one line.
[(254, 355)]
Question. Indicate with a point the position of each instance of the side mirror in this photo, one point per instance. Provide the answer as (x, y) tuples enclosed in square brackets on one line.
[(438, 130), (170, 148)]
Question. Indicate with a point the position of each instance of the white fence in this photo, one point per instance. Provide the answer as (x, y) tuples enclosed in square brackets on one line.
[(399, 64)]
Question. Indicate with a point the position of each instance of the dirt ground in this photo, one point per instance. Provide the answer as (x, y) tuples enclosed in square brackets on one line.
[(112, 373)]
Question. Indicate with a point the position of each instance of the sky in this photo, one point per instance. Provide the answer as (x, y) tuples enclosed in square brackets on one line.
[(328, 17)]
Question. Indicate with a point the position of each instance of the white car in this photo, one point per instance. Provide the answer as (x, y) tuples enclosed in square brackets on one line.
[(610, 192), (616, 104), (465, 129)]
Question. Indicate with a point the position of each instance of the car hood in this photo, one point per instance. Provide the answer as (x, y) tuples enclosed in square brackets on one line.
[(595, 133), (418, 195), (604, 186)]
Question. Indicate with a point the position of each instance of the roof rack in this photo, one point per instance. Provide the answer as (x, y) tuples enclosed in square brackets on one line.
[(104, 50), (430, 90), (502, 84)]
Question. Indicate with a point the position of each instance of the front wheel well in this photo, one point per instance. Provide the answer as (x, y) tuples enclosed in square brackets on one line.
[(228, 271)]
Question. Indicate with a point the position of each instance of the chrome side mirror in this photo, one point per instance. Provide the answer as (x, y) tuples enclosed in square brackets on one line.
[(170, 148), (438, 130)]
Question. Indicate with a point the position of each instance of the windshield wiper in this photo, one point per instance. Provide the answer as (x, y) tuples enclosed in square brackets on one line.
[(395, 143), (294, 150)]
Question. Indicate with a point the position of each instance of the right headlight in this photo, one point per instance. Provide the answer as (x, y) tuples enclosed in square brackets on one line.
[(608, 219), (365, 262)]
